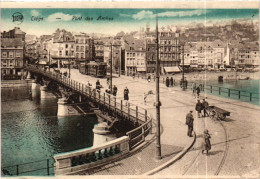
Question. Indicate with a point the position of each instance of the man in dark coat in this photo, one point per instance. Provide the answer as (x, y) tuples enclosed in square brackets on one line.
[(126, 92), (167, 81), (198, 91), (114, 90), (98, 85), (189, 122), (205, 105), (171, 81), (199, 107)]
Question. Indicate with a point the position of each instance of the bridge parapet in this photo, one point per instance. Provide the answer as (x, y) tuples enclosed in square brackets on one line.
[(85, 159)]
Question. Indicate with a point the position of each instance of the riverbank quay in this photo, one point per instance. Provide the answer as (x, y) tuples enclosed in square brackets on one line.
[(15, 83), (242, 127)]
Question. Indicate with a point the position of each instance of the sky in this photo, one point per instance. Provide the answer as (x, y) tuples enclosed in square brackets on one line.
[(114, 20)]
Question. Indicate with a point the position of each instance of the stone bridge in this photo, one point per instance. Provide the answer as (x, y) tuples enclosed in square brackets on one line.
[(129, 122)]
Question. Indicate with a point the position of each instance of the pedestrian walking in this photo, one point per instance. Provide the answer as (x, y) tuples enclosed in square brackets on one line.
[(167, 81), (98, 85), (206, 142), (126, 92), (171, 82), (205, 105), (114, 90), (199, 108), (30, 95), (108, 80), (145, 96), (149, 78), (133, 75), (193, 87), (198, 91), (189, 123)]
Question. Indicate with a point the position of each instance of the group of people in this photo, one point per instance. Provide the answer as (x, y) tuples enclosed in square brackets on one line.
[(206, 145), (169, 82), (202, 106)]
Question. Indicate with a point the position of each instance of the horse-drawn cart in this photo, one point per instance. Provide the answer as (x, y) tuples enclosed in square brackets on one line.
[(217, 113)]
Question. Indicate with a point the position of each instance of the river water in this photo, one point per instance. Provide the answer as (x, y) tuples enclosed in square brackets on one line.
[(31, 131)]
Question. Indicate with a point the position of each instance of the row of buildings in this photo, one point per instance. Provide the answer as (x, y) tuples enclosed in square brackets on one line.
[(131, 53)]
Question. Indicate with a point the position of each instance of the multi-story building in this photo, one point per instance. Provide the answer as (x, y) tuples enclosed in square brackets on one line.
[(63, 48), (169, 52), (12, 58), (81, 47), (135, 60), (116, 55), (248, 55), (150, 56), (99, 51)]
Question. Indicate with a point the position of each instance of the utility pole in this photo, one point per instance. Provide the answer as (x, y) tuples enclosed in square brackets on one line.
[(49, 61), (183, 67), (111, 68), (158, 103)]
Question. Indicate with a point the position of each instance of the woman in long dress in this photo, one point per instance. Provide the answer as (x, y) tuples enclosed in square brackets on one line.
[(206, 142)]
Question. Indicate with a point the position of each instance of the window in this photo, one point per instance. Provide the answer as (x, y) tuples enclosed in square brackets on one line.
[(82, 55), (82, 48), (72, 53), (60, 53), (67, 53), (11, 54), (169, 42), (77, 55), (77, 40), (66, 45), (18, 54), (72, 46), (4, 63), (4, 54), (133, 54), (11, 63)]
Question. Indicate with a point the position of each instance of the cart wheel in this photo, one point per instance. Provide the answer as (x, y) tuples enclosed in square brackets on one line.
[(212, 113), (223, 117)]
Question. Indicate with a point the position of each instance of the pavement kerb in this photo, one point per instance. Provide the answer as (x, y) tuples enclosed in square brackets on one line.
[(174, 159)]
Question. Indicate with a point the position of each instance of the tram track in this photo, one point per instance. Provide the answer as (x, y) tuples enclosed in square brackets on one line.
[(226, 150)]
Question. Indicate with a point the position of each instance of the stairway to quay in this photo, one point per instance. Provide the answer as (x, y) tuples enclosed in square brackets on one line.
[(235, 144)]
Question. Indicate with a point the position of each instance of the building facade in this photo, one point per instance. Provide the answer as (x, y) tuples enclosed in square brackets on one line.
[(12, 58)]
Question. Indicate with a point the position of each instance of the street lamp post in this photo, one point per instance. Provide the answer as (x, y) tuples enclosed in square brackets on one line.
[(111, 69), (183, 85), (158, 104), (69, 67), (49, 61)]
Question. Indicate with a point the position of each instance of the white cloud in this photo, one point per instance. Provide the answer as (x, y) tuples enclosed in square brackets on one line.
[(143, 15), (59, 17), (149, 14), (35, 13)]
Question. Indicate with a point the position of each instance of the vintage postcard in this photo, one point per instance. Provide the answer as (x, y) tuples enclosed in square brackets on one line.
[(130, 89)]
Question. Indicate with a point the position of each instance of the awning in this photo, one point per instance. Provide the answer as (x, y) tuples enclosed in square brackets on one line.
[(194, 66), (43, 61), (171, 69), (141, 69)]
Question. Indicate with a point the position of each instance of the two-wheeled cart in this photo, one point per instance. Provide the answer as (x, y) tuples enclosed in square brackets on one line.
[(217, 113)]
